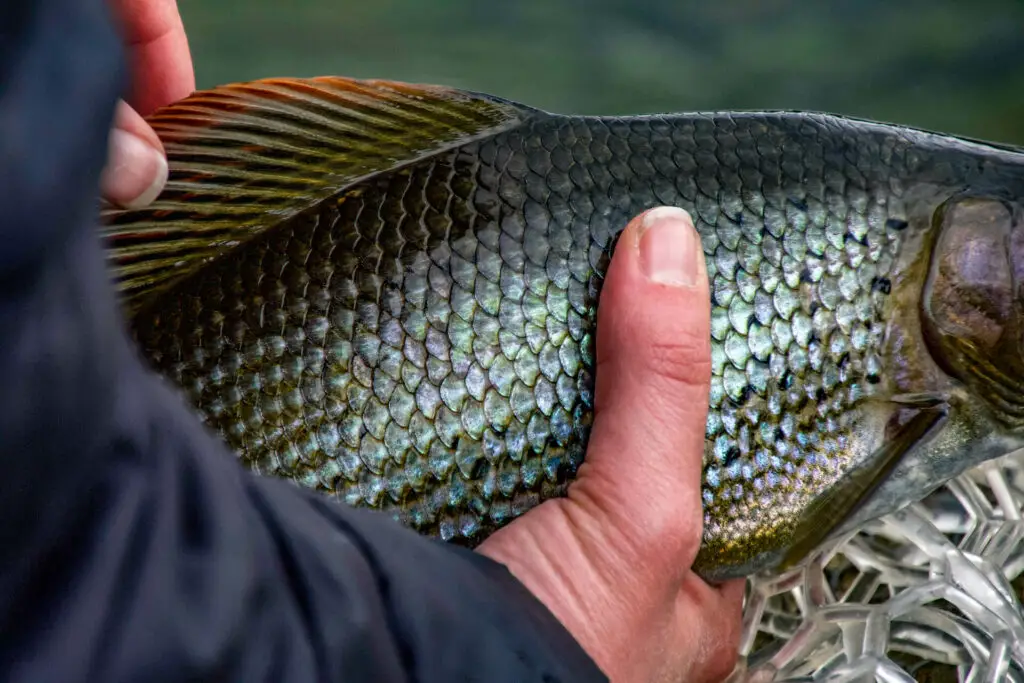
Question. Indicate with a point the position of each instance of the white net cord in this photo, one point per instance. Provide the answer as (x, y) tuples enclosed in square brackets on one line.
[(930, 594)]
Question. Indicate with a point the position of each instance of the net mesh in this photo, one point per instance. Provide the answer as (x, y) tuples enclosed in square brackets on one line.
[(930, 594)]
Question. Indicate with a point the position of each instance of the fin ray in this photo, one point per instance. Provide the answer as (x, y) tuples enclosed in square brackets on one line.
[(829, 510), (245, 157)]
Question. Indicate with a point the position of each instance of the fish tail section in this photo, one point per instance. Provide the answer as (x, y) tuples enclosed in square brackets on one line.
[(247, 156)]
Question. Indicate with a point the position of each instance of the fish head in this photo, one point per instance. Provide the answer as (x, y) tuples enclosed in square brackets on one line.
[(926, 352), (956, 333)]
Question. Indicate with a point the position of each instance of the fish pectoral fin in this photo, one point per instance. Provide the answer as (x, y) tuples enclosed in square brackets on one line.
[(246, 156), (923, 399), (832, 508)]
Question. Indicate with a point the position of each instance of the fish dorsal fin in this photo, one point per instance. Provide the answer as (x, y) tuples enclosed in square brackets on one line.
[(246, 156)]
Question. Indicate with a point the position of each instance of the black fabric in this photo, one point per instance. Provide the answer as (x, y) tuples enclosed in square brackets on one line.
[(134, 547)]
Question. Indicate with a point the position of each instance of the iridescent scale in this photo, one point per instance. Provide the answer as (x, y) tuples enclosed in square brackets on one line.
[(423, 342)]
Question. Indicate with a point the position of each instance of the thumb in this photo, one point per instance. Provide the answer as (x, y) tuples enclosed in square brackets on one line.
[(642, 472), (612, 559)]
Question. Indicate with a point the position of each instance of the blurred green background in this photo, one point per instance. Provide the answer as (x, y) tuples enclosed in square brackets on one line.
[(950, 65)]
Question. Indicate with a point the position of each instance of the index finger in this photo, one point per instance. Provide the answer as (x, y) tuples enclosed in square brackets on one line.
[(158, 50)]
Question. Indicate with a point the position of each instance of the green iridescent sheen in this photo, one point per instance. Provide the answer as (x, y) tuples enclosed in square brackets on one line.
[(421, 339)]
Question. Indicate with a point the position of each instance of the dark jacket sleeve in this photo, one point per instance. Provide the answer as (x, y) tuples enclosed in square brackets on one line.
[(134, 547)]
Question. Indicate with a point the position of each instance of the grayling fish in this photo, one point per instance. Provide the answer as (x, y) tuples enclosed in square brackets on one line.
[(388, 292)]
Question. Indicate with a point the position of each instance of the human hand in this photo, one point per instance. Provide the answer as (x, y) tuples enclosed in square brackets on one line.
[(612, 560), (162, 73)]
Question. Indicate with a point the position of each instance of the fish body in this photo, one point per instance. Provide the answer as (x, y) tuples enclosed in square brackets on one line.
[(389, 292)]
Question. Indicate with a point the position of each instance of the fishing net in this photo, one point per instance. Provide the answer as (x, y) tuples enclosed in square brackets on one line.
[(929, 594)]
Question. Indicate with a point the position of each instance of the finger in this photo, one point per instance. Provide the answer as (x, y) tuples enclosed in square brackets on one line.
[(129, 120), (643, 467), (158, 52), (136, 169)]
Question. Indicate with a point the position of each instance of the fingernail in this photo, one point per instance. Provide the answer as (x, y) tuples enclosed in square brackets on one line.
[(670, 248), (135, 173)]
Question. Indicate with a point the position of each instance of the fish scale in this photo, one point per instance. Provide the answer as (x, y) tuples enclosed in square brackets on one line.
[(422, 339), (425, 341)]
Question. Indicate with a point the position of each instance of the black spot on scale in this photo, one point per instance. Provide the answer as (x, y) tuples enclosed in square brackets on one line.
[(742, 398), (843, 359), (800, 204), (805, 276), (732, 455), (896, 224), (786, 381), (820, 396), (850, 237), (881, 284)]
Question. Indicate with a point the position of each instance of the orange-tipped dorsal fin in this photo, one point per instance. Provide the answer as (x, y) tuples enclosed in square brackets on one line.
[(246, 156)]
